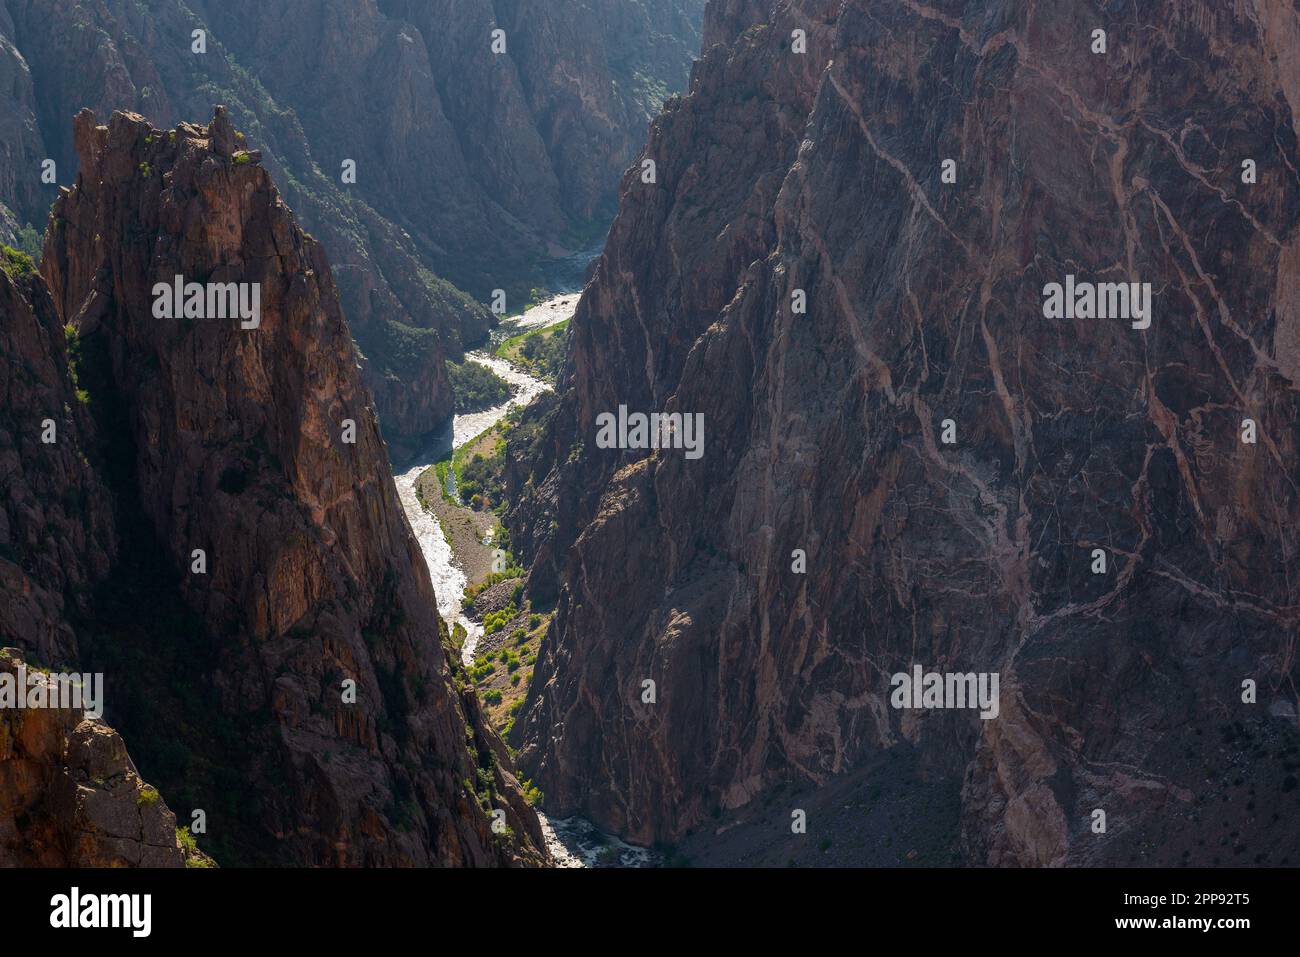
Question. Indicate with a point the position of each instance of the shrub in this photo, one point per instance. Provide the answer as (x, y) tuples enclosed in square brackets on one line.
[(16, 263), (29, 242), (476, 387), (532, 793)]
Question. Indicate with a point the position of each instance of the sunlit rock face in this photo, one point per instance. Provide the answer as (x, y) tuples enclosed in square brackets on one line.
[(977, 485)]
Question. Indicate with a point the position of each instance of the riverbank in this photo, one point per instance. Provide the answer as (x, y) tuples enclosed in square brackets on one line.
[(465, 529), (450, 535), (501, 633)]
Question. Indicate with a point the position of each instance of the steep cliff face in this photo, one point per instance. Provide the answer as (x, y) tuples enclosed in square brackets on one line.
[(469, 165), (487, 158), (291, 679), (825, 433), (20, 137), (56, 530), (70, 795)]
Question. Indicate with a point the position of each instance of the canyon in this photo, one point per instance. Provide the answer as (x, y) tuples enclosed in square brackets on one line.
[(972, 555)]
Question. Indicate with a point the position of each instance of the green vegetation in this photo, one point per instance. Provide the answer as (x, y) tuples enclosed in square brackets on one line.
[(395, 349), (190, 849), (29, 242), (440, 469), (75, 359), (510, 571), (479, 466), (242, 157), (479, 480), (498, 619), (476, 387), (539, 352), (503, 672), (532, 793), (147, 797), (16, 264)]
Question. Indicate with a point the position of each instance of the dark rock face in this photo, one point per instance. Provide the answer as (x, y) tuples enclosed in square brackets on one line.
[(485, 160), (69, 794), (469, 166), (822, 172), (235, 441), (56, 529)]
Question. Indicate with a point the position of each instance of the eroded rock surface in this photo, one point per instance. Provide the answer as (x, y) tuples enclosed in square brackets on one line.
[(822, 172)]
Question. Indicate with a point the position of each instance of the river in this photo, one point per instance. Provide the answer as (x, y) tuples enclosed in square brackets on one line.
[(449, 579), (573, 842)]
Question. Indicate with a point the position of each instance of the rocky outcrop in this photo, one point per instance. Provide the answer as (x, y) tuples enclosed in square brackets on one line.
[(827, 434), (20, 137), (69, 794), (316, 716)]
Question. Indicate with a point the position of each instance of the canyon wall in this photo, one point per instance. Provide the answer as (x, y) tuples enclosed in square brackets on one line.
[(826, 433), (69, 794), (266, 625)]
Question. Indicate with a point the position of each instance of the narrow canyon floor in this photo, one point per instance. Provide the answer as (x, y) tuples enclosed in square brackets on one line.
[(461, 537)]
